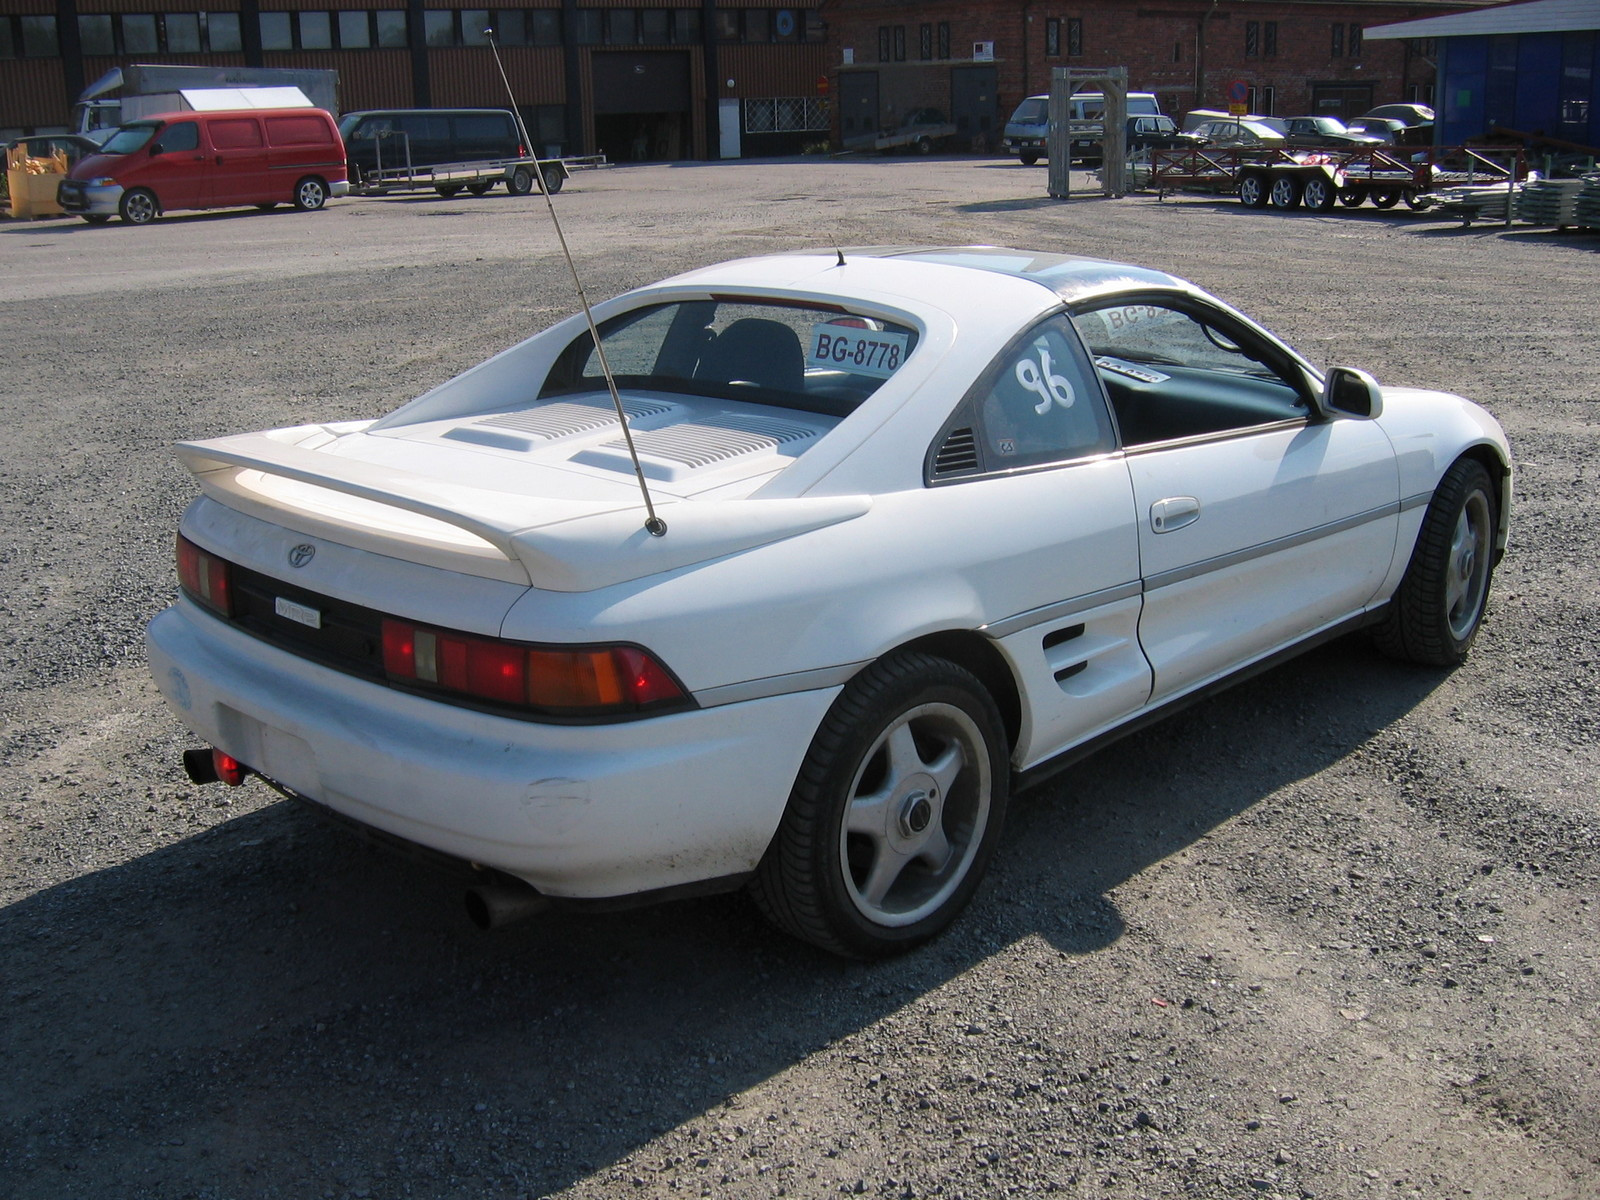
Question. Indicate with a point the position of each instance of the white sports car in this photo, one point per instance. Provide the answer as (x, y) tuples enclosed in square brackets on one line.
[(927, 524)]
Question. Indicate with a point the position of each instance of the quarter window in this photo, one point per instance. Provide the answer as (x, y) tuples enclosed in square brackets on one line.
[(1039, 403)]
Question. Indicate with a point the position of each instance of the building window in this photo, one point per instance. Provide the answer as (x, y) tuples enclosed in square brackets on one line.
[(1075, 37), (727, 25), (621, 29), (474, 26), (1177, 51), (31, 37), (139, 33), (785, 114), (275, 31), (1052, 37), (1420, 93), (391, 27), (885, 43), (1336, 50), (899, 43), (685, 26), (1355, 41), (439, 28), (1252, 39), (355, 33), (316, 31), (655, 26), (1261, 101), (1269, 39), (944, 39), (1421, 47), (182, 32), (94, 34), (925, 42), (586, 26)]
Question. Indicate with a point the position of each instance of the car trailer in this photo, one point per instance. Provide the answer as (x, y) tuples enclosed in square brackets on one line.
[(400, 174), (1320, 179)]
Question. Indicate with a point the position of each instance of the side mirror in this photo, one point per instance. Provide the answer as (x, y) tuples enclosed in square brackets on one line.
[(155, 149), (1352, 392)]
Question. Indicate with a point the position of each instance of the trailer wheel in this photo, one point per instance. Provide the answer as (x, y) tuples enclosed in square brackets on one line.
[(478, 189), (1253, 190), (520, 181), (1386, 198), (447, 189), (1285, 192), (554, 176), (1417, 202), (1351, 197), (1319, 194)]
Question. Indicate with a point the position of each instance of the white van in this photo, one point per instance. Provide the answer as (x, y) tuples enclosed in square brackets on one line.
[(1027, 132)]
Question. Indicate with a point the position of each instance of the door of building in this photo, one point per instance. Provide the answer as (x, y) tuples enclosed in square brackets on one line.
[(642, 101), (858, 106)]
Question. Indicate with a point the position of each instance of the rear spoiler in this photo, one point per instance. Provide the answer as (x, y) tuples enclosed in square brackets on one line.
[(549, 543)]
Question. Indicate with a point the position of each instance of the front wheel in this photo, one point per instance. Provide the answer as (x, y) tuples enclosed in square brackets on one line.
[(139, 206), (1319, 195), (96, 218), (1437, 610), (895, 813), (1285, 192), (310, 194)]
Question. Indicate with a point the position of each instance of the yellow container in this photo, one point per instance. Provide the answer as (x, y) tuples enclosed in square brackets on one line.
[(33, 195)]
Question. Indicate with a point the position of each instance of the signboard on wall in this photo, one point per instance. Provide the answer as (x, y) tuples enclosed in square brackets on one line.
[(982, 51)]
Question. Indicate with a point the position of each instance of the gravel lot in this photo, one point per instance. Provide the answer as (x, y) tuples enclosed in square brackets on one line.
[(1331, 934)]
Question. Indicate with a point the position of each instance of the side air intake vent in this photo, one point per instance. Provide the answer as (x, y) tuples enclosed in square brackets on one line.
[(958, 455)]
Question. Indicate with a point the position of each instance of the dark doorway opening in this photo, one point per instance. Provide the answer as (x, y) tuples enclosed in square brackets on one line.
[(641, 106)]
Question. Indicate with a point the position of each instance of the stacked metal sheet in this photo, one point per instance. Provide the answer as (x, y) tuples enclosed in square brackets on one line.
[(1549, 202), (1586, 208), (1471, 204)]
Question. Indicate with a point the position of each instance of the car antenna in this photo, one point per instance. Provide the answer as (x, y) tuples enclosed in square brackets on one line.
[(653, 524)]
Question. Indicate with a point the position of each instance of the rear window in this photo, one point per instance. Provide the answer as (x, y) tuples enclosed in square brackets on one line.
[(1031, 111), (297, 131), (817, 360)]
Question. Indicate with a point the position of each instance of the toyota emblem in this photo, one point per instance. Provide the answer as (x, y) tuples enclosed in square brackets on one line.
[(302, 554)]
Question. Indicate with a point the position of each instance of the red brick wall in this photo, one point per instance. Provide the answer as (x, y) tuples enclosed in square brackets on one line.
[(1160, 44)]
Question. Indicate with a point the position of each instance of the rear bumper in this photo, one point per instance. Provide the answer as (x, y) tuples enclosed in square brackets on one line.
[(580, 811)]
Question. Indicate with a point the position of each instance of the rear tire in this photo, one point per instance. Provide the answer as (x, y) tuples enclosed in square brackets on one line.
[(139, 206), (520, 181), (1386, 199), (895, 812), (1438, 609), (310, 194), (1352, 197), (553, 177)]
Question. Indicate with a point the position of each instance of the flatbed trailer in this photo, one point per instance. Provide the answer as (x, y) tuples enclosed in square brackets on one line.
[(476, 177), (1319, 179)]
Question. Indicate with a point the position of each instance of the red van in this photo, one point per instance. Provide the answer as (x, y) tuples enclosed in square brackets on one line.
[(210, 160)]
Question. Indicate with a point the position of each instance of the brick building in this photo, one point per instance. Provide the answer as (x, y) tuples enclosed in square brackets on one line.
[(978, 60)]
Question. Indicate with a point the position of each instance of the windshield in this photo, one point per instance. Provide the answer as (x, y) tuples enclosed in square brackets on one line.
[(130, 138), (816, 359), (1031, 111)]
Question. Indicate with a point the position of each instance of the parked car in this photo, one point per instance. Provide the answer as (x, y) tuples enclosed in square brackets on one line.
[(1416, 122), (1232, 133), (925, 526), (1384, 130), (1027, 133), (224, 159), (1328, 132)]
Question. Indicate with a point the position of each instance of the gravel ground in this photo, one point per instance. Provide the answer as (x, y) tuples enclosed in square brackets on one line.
[(1331, 934)]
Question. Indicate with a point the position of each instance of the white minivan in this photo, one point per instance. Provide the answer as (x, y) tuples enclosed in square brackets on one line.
[(1028, 131)]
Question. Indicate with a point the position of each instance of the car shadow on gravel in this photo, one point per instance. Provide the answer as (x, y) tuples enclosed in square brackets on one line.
[(272, 1005)]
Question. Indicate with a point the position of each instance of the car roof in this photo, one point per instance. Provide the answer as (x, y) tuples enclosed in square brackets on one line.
[(1070, 277)]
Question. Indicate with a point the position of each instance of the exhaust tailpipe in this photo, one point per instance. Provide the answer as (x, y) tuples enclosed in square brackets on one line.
[(210, 765), (494, 905)]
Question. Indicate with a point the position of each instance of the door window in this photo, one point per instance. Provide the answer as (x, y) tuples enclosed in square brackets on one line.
[(1174, 372), (1039, 403), (185, 135)]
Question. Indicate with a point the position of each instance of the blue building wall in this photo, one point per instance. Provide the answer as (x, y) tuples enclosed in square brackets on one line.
[(1546, 83)]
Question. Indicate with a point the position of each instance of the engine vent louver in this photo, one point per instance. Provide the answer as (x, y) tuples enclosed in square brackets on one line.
[(958, 455), (564, 418), (701, 443)]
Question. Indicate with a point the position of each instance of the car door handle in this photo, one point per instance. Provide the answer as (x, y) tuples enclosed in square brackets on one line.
[(1174, 513)]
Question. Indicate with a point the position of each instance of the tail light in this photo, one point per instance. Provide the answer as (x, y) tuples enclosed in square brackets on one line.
[(204, 577), (575, 681)]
